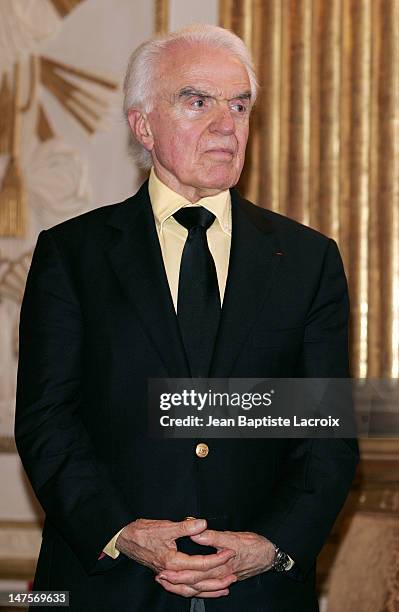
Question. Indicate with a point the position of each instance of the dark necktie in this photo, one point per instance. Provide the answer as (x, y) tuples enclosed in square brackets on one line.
[(198, 301)]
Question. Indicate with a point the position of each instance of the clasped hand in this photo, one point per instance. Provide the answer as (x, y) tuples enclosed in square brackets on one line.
[(239, 555)]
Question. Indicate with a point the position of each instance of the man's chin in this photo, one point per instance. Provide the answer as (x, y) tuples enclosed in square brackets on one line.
[(220, 181)]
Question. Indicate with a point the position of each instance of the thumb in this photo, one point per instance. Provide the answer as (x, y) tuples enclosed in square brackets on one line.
[(192, 526)]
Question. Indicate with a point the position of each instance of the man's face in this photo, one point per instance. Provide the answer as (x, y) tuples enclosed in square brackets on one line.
[(200, 118)]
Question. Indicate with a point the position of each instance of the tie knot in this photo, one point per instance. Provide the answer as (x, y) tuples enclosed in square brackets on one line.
[(194, 216)]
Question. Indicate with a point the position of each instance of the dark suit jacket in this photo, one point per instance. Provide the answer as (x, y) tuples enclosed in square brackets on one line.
[(97, 321)]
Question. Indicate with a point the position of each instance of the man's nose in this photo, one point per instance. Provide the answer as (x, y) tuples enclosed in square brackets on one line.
[(222, 122)]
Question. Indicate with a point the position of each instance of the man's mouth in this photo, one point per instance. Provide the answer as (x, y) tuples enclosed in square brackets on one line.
[(221, 152)]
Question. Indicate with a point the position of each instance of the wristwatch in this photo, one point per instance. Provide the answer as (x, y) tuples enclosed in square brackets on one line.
[(282, 562)]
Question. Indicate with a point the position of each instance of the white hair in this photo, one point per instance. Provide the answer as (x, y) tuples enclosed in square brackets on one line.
[(140, 81)]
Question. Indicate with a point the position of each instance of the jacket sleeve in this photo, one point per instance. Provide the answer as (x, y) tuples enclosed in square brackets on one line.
[(70, 481), (318, 473)]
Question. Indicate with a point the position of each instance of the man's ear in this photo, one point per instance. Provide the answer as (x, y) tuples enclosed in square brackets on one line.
[(140, 127)]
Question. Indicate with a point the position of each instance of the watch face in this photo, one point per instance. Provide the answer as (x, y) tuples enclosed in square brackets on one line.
[(283, 562)]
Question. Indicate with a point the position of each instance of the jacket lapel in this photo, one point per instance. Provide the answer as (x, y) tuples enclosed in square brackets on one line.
[(254, 261), (136, 258)]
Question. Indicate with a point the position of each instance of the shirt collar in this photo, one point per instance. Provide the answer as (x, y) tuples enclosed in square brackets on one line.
[(165, 202)]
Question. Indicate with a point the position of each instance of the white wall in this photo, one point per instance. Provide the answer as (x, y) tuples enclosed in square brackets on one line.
[(184, 12)]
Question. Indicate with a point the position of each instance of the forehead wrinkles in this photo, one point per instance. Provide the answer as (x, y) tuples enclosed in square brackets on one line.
[(211, 69)]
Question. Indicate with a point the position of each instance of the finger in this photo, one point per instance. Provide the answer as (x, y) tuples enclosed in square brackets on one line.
[(194, 576), (209, 584), (214, 585), (179, 589), (186, 591), (187, 527), (218, 539), (213, 594), (181, 561)]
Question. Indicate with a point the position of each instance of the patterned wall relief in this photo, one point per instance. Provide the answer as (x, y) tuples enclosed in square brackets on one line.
[(43, 179)]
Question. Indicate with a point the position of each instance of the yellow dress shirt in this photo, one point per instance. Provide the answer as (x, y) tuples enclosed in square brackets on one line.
[(172, 236)]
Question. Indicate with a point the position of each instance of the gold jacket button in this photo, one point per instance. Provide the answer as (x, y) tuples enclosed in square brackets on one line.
[(201, 450)]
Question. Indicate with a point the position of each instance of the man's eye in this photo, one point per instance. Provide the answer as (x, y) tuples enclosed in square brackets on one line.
[(241, 108), (199, 103)]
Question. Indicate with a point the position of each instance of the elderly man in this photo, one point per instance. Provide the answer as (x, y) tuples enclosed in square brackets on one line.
[(185, 278)]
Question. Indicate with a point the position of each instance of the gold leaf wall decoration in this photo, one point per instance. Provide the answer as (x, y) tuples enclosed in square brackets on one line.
[(13, 192), (64, 7), (77, 90), (44, 129), (5, 115), (85, 106), (161, 16)]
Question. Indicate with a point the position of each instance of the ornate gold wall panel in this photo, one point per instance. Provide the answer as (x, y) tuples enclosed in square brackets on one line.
[(325, 144), (325, 150)]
